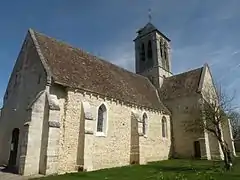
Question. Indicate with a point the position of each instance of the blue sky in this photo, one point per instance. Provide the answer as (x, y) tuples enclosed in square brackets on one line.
[(201, 31)]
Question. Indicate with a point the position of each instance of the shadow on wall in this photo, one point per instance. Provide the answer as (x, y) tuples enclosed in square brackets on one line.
[(237, 145)]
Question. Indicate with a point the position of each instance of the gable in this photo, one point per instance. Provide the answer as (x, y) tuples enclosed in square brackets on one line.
[(206, 86), (75, 68), (27, 70), (180, 85)]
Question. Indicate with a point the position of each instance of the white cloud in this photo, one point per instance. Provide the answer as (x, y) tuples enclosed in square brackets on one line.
[(235, 52), (121, 54)]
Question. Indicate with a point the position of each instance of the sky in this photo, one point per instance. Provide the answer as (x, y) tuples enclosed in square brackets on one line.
[(201, 31)]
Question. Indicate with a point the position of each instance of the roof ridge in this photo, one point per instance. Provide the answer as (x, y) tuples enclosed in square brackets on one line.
[(40, 54), (185, 72), (87, 53)]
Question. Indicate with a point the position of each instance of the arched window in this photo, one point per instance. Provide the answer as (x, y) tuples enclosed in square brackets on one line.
[(161, 49), (142, 53), (166, 58), (149, 52), (164, 127), (144, 125), (102, 119)]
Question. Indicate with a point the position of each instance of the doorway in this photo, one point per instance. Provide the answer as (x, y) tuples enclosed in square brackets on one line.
[(197, 150), (14, 148)]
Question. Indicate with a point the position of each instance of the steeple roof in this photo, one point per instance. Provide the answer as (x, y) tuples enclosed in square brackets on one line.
[(149, 28)]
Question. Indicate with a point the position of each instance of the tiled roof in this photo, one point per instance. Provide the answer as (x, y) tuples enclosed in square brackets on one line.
[(75, 68), (181, 84)]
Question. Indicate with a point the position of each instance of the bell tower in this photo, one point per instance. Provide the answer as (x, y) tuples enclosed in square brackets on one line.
[(152, 54)]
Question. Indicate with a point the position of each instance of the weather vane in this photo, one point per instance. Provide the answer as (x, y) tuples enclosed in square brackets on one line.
[(149, 14)]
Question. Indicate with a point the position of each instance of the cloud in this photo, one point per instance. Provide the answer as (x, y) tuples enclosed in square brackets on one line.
[(235, 52), (121, 54)]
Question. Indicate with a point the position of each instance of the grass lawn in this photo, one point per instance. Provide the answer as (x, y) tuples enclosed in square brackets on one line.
[(171, 170)]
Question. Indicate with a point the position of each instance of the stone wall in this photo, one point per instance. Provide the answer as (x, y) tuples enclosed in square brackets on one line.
[(237, 145), (184, 109), (27, 80), (228, 137), (110, 150)]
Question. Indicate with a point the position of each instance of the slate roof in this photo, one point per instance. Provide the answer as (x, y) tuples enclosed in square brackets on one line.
[(149, 28), (180, 85), (72, 67)]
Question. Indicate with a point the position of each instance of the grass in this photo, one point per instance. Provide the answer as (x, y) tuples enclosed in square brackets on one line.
[(175, 169)]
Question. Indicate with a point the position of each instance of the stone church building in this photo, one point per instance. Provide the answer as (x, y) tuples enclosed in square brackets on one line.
[(66, 110)]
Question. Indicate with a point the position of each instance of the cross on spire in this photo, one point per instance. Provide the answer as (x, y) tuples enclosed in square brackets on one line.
[(149, 14)]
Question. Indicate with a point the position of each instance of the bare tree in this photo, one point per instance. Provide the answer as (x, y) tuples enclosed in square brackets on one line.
[(235, 123), (212, 113)]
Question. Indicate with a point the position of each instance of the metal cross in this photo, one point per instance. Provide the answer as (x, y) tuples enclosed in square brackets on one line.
[(149, 14)]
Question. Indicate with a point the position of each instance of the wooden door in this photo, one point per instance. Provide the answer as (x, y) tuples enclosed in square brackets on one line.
[(14, 148), (197, 150)]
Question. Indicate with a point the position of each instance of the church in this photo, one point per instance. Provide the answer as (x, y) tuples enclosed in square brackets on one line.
[(65, 110)]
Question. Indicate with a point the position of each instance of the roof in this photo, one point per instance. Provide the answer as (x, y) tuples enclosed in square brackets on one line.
[(149, 28), (73, 67), (181, 84)]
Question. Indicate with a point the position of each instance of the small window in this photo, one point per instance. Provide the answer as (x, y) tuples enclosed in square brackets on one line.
[(102, 120), (149, 50), (15, 80), (39, 79), (144, 125), (6, 96), (164, 127), (142, 53)]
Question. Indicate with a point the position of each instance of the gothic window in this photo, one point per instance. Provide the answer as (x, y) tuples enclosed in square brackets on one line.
[(142, 53), (166, 57), (149, 52), (164, 127), (102, 119), (161, 50), (144, 124)]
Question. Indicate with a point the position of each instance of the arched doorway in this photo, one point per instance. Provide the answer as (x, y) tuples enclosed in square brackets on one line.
[(14, 148)]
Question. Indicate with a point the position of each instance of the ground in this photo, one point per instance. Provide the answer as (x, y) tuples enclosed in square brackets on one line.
[(165, 170), (9, 176), (170, 170)]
